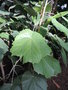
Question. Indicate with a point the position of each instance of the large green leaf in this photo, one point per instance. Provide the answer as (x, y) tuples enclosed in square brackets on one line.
[(29, 82), (3, 49), (49, 67), (31, 46), (60, 27)]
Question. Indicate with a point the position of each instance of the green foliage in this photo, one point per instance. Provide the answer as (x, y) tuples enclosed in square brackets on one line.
[(31, 46), (3, 49), (62, 43), (4, 12), (65, 19), (56, 16), (29, 81), (48, 67), (6, 87), (2, 20), (63, 53), (60, 27), (4, 35)]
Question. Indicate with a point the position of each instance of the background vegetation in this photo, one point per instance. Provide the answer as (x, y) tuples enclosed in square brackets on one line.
[(33, 43)]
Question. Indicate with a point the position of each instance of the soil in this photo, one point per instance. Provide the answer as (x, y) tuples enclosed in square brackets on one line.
[(61, 81)]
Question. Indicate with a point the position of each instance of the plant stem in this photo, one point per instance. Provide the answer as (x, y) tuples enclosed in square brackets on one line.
[(13, 68), (41, 20), (43, 12), (2, 70)]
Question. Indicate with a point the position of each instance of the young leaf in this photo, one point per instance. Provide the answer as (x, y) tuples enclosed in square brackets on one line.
[(31, 46), (29, 82), (48, 67)]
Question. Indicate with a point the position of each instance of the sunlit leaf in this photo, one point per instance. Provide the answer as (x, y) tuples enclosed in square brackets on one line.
[(31, 46)]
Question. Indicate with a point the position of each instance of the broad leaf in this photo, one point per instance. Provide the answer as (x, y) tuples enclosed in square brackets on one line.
[(29, 82), (31, 46), (3, 49), (49, 67), (60, 27)]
